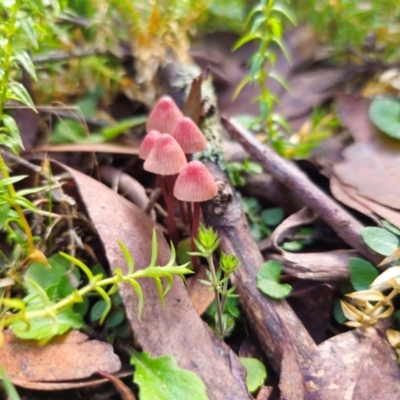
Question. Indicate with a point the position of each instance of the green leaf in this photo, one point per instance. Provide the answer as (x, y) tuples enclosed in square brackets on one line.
[(280, 8), (256, 373), (272, 216), (97, 310), (160, 378), (44, 328), (26, 62), (338, 312), (390, 227), (384, 112), (268, 280), (19, 93), (45, 276), (12, 129), (362, 273), (9, 388), (245, 39), (122, 126), (28, 26), (115, 318), (380, 240), (279, 79), (257, 22)]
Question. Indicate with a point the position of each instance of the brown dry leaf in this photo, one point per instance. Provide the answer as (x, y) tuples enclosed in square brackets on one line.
[(373, 170), (350, 197), (340, 192), (353, 114), (359, 364), (174, 329), (312, 302), (192, 107), (199, 294), (89, 147), (69, 357)]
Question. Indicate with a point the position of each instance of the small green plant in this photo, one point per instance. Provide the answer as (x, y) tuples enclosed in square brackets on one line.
[(161, 378), (48, 308), (236, 170), (264, 24), (261, 222), (218, 278), (268, 280), (370, 27)]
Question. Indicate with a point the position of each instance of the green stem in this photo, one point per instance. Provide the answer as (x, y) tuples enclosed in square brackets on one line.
[(17, 207), (215, 284)]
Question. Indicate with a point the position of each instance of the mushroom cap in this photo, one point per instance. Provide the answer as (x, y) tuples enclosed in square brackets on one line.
[(166, 157), (195, 183), (148, 143), (164, 116), (189, 136)]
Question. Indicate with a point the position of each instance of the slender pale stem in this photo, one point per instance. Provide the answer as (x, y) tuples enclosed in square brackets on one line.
[(171, 209), (223, 296), (215, 284), (195, 220)]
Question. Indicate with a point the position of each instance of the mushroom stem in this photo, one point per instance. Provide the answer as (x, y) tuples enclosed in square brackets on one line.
[(172, 233), (195, 228)]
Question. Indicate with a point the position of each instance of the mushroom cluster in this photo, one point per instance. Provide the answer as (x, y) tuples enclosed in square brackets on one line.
[(167, 150)]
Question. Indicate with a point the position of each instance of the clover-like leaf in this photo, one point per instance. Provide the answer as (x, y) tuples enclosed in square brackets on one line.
[(384, 112), (256, 373), (268, 280), (160, 378), (380, 240), (362, 273)]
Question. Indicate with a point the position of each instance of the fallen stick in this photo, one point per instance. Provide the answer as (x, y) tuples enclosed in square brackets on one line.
[(280, 332), (346, 226)]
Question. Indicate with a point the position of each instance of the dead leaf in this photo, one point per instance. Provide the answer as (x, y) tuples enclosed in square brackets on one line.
[(89, 147), (199, 294), (71, 356), (192, 107), (174, 329), (353, 115), (350, 197), (340, 192), (373, 171), (359, 364), (312, 302)]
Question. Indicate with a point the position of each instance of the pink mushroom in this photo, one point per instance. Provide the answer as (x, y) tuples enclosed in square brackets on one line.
[(189, 136), (164, 116), (195, 184), (166, 158), (148, 143)]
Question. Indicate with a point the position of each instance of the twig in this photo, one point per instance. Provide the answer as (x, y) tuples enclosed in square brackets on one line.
[(277, 327), (346, 226)]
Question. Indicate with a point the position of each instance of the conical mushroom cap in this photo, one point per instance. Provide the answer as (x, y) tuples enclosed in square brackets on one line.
[(189, 136), (166, 157), (195, 183), (164, 116), (148, 143)]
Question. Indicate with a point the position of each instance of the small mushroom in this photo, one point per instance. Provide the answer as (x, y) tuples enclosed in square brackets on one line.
[(189, 136), (195, 184), (166, 158), (148, 143), (164, 116)]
